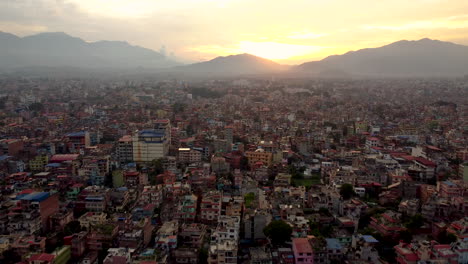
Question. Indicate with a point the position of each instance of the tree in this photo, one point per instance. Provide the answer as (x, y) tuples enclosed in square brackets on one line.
[(157, 168), (347, 191), (324, 211), (278, 231), (406, 236), (415, 222), (72, 228), (244, 163), (446, 238), (36, 107), (203, 256)]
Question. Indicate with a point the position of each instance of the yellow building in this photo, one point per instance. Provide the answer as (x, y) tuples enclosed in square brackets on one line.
[(38, 163), (259, 155), (5, 243), (92, 219)]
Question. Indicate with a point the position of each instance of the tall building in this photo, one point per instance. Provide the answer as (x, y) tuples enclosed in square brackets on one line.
[(125, 149), (228, 136), (149, 144), (78, 141)]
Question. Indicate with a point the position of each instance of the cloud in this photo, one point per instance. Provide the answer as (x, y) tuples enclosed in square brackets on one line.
[(208, 28), (306, 35), (453, 22)]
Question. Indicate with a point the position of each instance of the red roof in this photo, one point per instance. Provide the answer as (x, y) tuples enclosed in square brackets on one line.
[(42, 257), (425, 162), (302, 245), (64, 157), (132, 173)]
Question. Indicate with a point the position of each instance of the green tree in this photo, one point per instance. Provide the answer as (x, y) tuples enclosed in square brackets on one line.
[(406, 236), (244, 163), (157, 167), (72, 228), (36, 107), (415, 222), (278, 231), (203, 256), (347, 191)]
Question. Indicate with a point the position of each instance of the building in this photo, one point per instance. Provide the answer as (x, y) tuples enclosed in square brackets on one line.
[(185, 256), (228, 136), (372, 142), (260, 256), (210, 207), (124, 149), (32, 212), (187, 210), (11, 147), (254, 223), (118, 255), (166, 236), (150, 144), (38, 163), (188, 155), (259, 156), (224, 241), (449, 189), (192, 235), (303, 252), (78, 141), (92, 218)]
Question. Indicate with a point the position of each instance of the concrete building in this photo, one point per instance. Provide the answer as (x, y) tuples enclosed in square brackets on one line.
[(150, 144), (210, 207), (254, 223), (303, 252), (259, 156), (78, 141), (188, 155), (125, 149)]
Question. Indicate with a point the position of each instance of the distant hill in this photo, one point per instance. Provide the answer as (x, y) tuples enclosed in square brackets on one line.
[(61, 50), (240, 64), (58, 51), (421, 58)]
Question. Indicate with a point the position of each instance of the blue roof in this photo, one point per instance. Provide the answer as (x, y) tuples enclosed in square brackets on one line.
[(150, 133), (55, 165), (147, 252), (4, 157), (36, 197), (77, 134), (18, 197), (369, 239), (449, 183), (333, 243)]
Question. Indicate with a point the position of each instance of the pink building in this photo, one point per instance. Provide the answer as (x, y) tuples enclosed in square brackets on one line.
[(302, 251)]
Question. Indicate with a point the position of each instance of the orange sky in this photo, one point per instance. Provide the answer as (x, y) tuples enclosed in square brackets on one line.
[(289, 32)]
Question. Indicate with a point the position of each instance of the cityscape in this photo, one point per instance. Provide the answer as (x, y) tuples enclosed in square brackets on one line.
[(367, 171)]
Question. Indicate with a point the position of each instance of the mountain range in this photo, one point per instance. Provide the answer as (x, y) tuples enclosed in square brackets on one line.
[(61, 50), (421, 58)]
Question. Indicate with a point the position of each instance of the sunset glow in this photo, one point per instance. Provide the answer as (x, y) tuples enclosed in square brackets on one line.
[(287, 31)]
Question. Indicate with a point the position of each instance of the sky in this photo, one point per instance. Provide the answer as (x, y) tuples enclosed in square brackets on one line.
[(286, 31)]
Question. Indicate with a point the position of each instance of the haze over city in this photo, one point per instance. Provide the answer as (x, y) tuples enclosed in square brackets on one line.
[(289, 32)]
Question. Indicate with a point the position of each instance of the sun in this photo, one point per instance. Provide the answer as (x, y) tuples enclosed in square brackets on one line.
[(277, 51)]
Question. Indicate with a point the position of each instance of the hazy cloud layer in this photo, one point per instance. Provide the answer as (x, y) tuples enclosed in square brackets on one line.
[(201, 29)]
